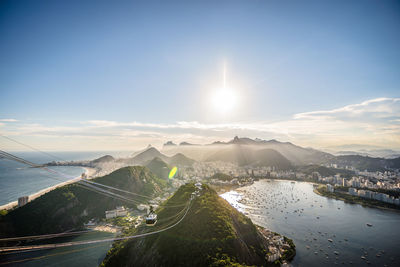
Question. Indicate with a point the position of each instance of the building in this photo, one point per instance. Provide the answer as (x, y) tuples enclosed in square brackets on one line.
[(111, 214), (118, 212), (198, 185), (121, 211), (353, 191), (330, 188), (22, 201), (91, 224)]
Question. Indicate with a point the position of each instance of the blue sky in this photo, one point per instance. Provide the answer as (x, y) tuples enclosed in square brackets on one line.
[(138, 67)]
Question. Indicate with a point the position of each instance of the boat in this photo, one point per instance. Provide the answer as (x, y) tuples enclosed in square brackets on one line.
[(368, 224)]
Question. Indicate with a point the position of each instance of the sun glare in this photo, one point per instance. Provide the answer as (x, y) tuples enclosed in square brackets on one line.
[(224, 100)]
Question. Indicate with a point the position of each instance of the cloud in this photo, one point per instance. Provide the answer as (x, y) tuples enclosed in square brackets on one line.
[(8, 120), (376, 121), (374, 108)]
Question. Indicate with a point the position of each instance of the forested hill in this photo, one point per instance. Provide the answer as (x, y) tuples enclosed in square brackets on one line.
[(212, 232), (68, 207)]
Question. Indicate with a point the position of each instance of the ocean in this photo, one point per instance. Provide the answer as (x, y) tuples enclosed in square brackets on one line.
[(17, 179)]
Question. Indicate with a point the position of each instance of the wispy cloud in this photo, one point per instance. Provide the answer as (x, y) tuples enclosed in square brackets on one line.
[(377, 108), (8, 120), (376, 121)]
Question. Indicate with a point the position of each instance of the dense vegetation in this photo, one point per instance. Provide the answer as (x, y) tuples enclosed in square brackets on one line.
[(70, 206), (367, 163), (325, 171), (213, 233), (221, 176), (159, 168)]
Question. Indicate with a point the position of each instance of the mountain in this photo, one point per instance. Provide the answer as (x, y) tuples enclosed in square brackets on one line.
[(367, 163), (245, 151), (69, 206), (364, 150), (169, 143), (180, 160), (246, 156), (295, 154), (146, 156), (159, 168), (103, 159), (186, 144), (212, 233), (325, 171)]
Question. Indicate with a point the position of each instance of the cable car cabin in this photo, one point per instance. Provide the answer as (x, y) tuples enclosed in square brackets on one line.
[(151, 219)]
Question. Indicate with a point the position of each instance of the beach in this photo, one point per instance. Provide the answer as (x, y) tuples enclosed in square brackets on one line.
[(90, 173)]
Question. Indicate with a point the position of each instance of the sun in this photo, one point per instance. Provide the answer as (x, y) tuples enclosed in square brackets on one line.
[(224, 100)]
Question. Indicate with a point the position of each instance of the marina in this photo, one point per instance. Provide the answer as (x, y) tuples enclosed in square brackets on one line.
[(324, 230)]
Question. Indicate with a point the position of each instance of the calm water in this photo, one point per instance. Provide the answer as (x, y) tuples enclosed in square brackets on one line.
[(17, 179), (84, 255), (294, 210)]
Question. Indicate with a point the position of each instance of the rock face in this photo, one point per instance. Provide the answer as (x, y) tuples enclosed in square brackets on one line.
[(212, 233)]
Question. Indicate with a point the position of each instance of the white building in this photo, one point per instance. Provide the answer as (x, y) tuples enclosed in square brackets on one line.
[(118, 212), (353, 191), (22, 201), (330, 188)]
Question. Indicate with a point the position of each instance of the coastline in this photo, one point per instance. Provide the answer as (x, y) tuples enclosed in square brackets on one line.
[(289, 252), (359, 201), (88, 171)]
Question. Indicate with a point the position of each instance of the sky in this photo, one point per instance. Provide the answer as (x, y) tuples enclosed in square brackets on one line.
[(119, 75)]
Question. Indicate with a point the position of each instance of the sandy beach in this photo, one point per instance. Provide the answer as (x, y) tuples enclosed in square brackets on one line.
[(90, 172)]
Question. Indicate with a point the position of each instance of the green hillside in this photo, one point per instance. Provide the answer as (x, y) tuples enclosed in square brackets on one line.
[(180, 159), (159, 167), (212, 233), (69, 206), (325, 171), (221, 176)]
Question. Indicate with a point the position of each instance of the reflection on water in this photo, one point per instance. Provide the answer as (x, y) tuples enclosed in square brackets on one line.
[(325, 231)]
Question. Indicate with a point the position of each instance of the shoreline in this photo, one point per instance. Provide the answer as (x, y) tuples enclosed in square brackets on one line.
[(361, 201), (88, 171), (289, 254)]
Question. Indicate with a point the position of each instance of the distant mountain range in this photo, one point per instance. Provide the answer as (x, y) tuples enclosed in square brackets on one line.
[(246, 152), (367, 163), (283, 155), (151, 153), (363, 150)]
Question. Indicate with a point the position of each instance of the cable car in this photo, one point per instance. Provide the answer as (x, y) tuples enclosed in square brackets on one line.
[(151, 219)]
